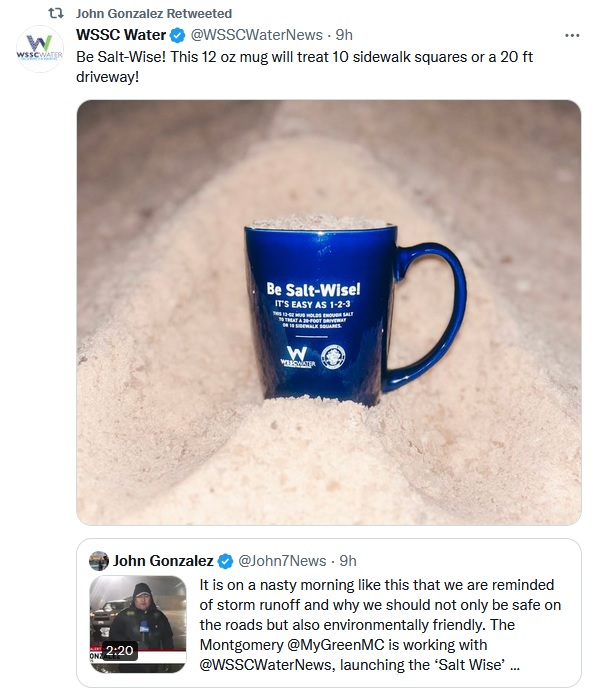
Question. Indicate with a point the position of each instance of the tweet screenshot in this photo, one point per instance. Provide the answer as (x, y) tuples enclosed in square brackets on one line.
[(297, 378)]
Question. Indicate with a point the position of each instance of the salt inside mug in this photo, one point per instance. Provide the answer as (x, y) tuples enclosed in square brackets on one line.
[(321, 296)]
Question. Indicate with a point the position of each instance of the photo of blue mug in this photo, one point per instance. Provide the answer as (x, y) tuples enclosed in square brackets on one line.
[(321, 305)]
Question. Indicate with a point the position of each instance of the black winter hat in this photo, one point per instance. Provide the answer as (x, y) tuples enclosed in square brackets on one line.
[(141, 588)]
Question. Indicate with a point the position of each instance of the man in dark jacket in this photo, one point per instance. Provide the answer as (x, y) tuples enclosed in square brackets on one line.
[(144, 623)]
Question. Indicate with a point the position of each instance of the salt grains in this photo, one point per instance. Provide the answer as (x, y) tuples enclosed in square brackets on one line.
[(319, 222)]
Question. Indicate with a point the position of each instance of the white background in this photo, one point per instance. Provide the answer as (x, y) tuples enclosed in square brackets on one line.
[(541, 650), (38, 268)]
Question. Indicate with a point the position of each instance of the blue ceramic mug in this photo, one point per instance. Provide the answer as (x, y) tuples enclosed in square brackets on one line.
[(321, 305)]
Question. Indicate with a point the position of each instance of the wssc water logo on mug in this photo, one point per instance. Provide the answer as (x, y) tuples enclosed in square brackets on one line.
[(321, 297)]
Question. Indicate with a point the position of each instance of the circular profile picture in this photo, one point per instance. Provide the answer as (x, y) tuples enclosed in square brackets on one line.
[(39, 49), (99, 561), (333, 356)]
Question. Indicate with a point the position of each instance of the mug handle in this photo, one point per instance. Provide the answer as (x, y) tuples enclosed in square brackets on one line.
[(405, 256)]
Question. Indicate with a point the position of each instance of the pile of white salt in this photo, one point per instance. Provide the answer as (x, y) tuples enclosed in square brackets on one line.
[(172, 427)]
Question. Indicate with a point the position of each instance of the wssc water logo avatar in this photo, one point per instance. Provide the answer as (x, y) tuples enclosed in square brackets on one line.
[(39, 49)]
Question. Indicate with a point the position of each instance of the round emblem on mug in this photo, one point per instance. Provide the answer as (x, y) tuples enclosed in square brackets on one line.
[(333, 356)]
